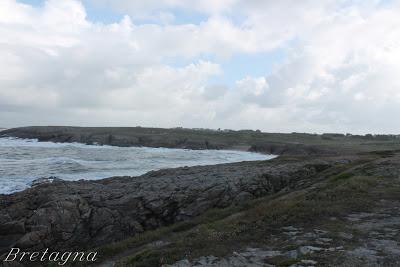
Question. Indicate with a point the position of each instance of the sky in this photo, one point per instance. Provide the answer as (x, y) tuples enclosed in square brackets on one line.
[(278, 66)]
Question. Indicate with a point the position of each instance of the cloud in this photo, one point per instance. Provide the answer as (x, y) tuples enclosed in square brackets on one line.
[(342, 74), (146, 9), (339, 74)]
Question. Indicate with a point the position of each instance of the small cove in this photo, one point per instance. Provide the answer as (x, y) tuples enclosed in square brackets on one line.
[(24, 160)]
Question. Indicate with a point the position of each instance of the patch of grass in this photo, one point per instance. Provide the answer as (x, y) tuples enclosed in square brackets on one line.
[(137, 241), (221, 231), (291, 247), (209, 216), (221, 237), (152, 257), (352, 193), (385, 153), (342, 176)]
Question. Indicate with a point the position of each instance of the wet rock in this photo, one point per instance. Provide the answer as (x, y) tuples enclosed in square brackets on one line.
[(45, 180)]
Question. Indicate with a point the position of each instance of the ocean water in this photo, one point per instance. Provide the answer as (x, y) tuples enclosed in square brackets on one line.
[(24, 160)]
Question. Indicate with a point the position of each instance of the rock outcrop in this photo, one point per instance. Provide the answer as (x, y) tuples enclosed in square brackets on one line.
[(91, 213)]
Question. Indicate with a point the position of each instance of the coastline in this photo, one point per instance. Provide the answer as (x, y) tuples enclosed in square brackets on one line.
[(300, 188), (155, 199), (250, 141), (78, 161)]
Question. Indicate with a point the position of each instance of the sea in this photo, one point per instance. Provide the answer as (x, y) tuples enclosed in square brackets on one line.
[(25, 160)]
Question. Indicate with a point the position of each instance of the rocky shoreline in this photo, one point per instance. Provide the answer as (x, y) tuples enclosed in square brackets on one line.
[(88, 214), (80, 214)]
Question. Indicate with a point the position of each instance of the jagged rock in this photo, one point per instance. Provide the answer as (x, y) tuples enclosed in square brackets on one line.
[(83, 214)]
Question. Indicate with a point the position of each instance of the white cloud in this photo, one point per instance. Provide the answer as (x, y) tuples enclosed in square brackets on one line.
[(146, 9), (340, 73)]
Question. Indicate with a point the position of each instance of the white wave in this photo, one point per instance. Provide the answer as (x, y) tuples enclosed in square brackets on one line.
[(24, 160)]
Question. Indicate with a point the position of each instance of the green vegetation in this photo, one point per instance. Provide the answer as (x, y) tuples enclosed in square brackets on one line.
[(282, 261), (356, 183), (163, 232), (342, 176), (221, 231)]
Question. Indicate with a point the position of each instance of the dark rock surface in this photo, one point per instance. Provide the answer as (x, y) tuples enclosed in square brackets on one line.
[(85, 214), (91, 213)]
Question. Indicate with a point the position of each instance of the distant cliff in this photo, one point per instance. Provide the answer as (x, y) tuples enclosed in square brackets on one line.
[(269, 143)]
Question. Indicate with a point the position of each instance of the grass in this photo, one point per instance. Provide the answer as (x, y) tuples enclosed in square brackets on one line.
[(282, 261), (336, 192), (222, 139), (336, 196), (154, 235), (342, 176)]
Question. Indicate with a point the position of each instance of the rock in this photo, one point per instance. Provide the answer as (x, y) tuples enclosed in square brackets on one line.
[(369, 255), (309, 249), (242, 197), (320, 232), (310, 235), (13, 227), (66, 214), (292, 254), (290, 228), (309, 262), (63, 214), (45, 180), (181, 263), (323, 240), (345, 235), (252, 257), (292, 234)]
